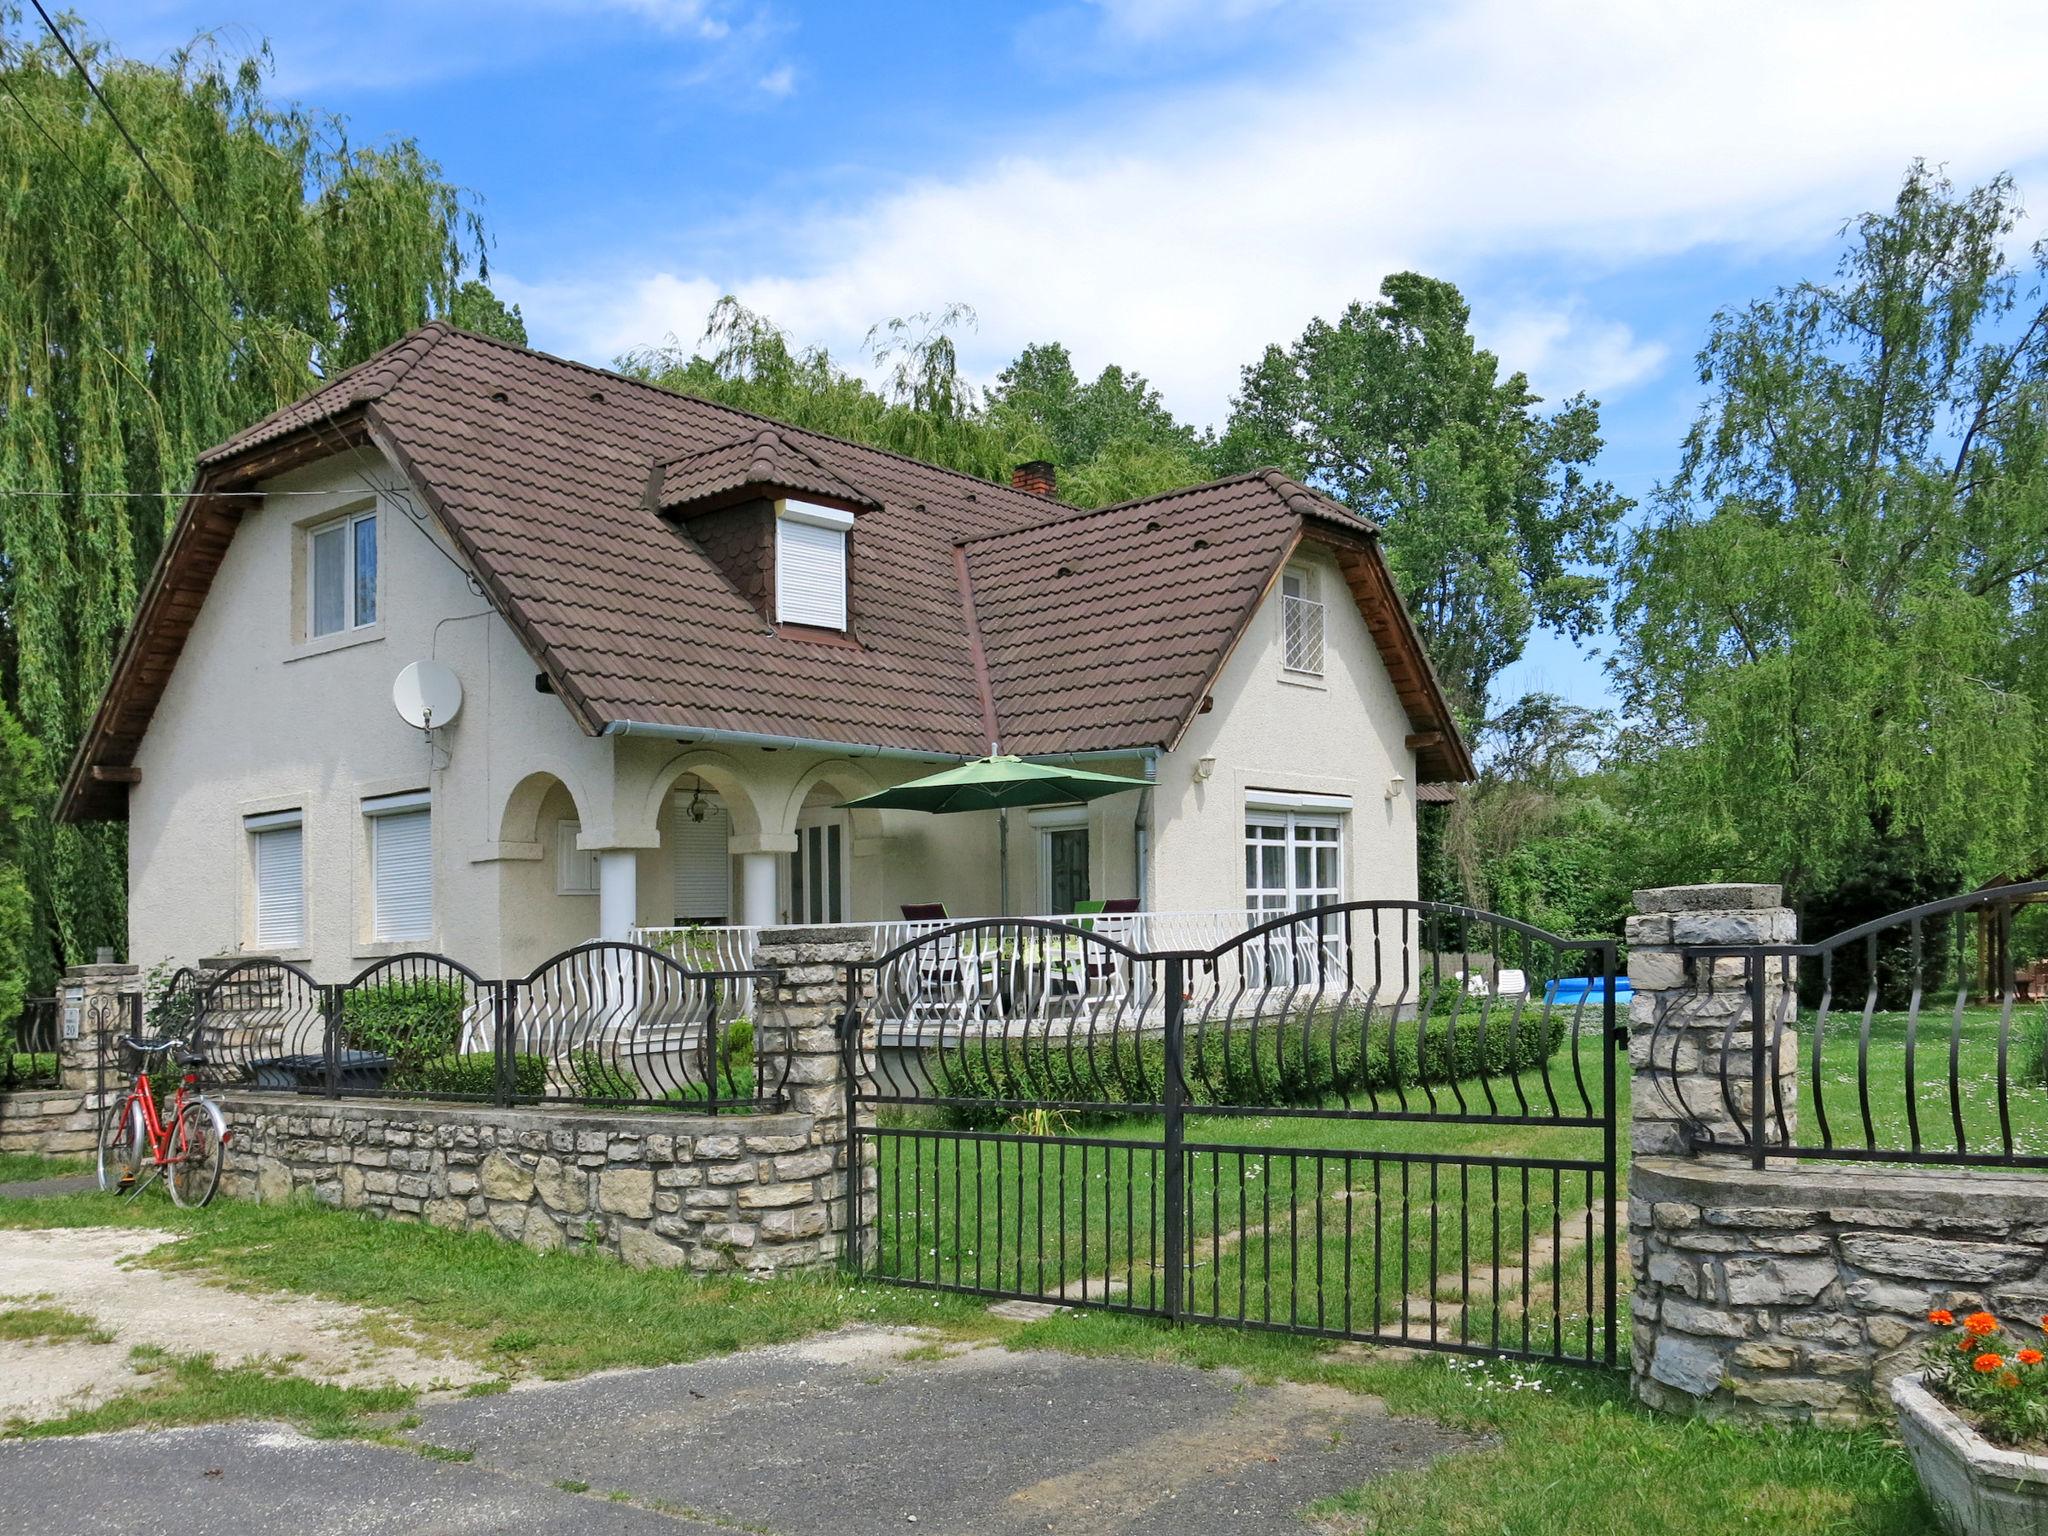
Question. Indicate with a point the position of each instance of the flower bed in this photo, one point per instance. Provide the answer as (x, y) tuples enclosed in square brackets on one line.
[(1975, 1421)]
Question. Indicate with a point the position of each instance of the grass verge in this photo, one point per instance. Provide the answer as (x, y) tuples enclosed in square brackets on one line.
[(1563, 1452), (20, 1167)]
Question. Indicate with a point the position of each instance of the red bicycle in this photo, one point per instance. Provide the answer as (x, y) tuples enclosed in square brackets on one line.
[(187, 1140)]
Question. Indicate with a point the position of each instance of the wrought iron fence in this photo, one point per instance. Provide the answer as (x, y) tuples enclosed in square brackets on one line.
[(28, 1046), (1048, 1112), (603, 1024), (1920, 1037)]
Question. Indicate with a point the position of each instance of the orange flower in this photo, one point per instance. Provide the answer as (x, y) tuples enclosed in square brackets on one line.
[(2009, 1379), (2030, 1357), (1982, 1324), (1941, 1317), (1984, 1365), (1966, 1344)]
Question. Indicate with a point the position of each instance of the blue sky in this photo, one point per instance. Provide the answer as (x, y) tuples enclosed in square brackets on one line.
[(1170, 184)]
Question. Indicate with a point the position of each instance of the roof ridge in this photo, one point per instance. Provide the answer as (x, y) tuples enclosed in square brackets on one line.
[(1076, 514), (1289, 489), (738, 410), (421, 340)]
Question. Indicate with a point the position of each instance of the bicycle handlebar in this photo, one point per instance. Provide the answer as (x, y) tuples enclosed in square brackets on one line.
[(151, 1047)]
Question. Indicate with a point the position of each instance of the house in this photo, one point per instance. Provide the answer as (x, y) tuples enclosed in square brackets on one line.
[(685, 636)]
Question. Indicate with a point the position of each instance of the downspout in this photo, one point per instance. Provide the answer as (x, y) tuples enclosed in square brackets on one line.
[(1141, 829)]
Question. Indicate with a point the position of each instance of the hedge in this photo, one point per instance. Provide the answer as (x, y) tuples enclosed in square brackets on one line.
[(1309, 1059)]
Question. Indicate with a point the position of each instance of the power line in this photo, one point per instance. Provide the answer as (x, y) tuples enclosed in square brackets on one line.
[(322, 417), (115, 118), (160, 495)]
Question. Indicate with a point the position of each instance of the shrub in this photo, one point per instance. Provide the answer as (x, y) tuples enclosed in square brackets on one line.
[(476, 1073), (592, 1077), (1306, 1059), (413, 1022)]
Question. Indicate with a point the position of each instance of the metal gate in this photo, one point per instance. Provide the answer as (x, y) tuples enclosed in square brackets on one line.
[(1387, 1121)]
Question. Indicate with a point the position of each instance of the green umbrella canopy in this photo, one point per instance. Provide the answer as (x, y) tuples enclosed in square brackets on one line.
[(996, 784)]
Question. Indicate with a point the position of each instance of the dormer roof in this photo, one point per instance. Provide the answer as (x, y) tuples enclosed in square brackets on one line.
[(758, 464)]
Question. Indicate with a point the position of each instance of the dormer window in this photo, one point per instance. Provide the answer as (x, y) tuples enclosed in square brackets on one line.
[(810, 564)]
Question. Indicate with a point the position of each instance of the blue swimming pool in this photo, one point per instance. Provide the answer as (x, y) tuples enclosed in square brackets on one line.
[(1576, 989)]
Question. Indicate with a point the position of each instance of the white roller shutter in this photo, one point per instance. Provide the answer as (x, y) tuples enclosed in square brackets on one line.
[(402, 873), (700, 862), (280, 884), (810, 572)]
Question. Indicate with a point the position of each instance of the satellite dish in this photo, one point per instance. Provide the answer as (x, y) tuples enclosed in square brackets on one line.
[(427, 695)]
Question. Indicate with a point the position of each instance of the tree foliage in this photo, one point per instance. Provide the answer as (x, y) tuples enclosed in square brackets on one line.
[(1832, 632), (1111, 439), (141, 323), (1493, 521)]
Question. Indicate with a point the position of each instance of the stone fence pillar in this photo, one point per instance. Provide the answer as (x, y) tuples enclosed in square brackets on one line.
[(94, 1003), (1690, 1019), (805, 1010)]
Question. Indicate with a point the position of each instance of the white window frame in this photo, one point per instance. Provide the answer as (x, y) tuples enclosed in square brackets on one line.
[(1293, 823), (375, 811), (1289, 954), (821, 822), (575, 868), (1301, 612), (351, 618), (253, 829), (788, 609)]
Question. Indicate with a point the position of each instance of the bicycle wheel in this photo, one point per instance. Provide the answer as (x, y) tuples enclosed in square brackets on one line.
[(121, 1144), (199, 1146)]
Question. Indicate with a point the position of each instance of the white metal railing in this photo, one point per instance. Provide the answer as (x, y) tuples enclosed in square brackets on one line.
[(732, 948), (1264, 965)]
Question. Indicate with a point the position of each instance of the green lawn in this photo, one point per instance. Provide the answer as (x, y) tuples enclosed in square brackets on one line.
[(1342, 1225), (1567, 1455), (20, 1167), (1938, 1097)]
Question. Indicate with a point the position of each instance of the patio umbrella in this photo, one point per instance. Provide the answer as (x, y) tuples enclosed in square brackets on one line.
[(997, 783)]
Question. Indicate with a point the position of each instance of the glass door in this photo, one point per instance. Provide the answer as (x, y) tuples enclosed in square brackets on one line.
[(818, 869)]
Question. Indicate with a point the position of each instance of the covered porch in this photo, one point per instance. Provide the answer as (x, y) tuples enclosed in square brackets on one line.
[(696, 850)]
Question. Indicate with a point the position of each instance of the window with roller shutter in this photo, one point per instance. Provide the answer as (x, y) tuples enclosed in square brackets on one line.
[(401, 867), (700, 861), (278, 861), (810, 565)]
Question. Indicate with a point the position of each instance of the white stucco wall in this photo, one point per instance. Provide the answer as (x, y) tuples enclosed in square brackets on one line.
[(256, 719), (1270, 729)]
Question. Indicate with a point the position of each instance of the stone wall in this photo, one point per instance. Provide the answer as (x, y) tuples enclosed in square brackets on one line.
[(760, 1194), (1799, 1293), (1799, 1290), (52, 1122), (750, 1193)]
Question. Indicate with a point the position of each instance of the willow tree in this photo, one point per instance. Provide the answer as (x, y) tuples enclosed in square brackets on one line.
[(148, 308), (1834, 638)]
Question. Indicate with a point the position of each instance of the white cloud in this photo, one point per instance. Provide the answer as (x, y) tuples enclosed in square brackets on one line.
[(1151, 20), (779, 81), (1181, 235)]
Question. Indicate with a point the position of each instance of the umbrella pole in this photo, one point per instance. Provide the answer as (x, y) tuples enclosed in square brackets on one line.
[(1003, 863)]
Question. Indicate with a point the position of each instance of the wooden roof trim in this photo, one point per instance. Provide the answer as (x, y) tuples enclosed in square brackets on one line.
[(170, 604), (1364, 565)]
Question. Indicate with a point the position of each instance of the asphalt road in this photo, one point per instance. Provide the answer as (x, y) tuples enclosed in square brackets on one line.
[(841, 1435)]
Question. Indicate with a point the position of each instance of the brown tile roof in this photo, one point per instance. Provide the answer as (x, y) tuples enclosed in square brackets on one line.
[(760, 463), (540, 470)]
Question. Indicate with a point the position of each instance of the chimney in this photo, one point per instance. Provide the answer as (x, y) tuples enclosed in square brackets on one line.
[(1037, 477)]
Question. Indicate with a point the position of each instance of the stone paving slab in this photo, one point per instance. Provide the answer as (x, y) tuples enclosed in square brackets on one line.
[(238, 1479), (844, 1435)]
